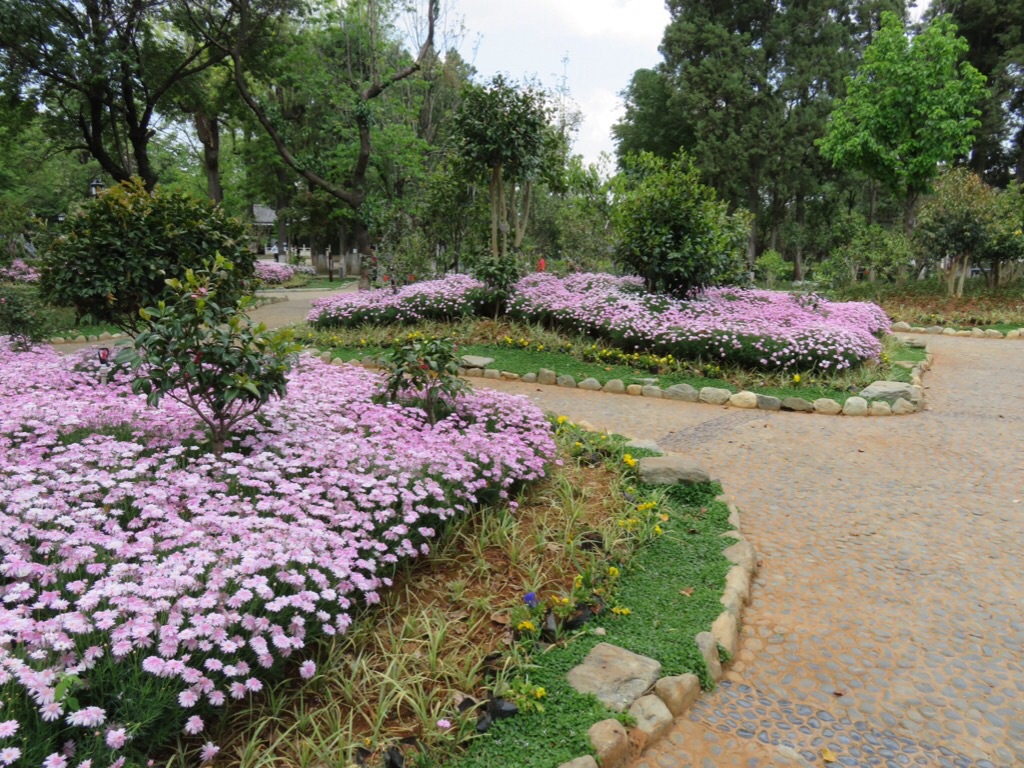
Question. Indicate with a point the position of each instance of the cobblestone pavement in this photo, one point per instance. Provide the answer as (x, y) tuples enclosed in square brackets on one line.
[(886, 623)]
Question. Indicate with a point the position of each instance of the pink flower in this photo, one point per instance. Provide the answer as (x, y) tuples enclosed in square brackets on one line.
[(194, 725), (8, 728), (208, 752), (8, 755), (444, 724), (307, 669), (116, 738), (55, 761), (90, 717)]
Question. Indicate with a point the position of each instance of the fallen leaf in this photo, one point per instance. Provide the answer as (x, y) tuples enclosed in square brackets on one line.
[(501, 618), (838, 693), (828, 755), (686, 592)]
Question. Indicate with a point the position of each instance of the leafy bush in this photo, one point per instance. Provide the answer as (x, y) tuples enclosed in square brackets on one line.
[(424, 374), (203, 351), (21, 319), (118, 251), (770, 268), (672, 230)]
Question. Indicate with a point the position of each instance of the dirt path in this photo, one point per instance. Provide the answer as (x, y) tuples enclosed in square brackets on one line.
[(886, 623)]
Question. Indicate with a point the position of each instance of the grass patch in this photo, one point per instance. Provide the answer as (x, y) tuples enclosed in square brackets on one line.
[(309, 282), (455, 626), (524, 349)]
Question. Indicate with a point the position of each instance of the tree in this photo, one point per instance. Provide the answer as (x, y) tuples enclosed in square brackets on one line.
[(672, 230), (363, 61), (955, 225), (910, 106), (994, 30), (117, 252), (103, 71), (500, 129)]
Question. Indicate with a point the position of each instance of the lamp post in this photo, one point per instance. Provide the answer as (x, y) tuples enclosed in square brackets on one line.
[(95, 187)]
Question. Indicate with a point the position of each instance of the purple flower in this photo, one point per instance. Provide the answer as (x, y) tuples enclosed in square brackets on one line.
[(531, 599)]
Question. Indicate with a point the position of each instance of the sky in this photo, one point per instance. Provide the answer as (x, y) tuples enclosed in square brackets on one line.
[(603, 41)]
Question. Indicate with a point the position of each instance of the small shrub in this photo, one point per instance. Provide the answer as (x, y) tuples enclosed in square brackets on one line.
[(771, 268), (21, 319), (424, 374), (204, 352)]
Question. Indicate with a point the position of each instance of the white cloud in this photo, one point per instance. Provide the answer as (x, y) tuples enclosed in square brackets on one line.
[(605, 42)]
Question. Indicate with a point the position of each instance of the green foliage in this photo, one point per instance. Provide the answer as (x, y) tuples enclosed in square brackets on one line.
[(966, 221), (21, 319), (424, 374), (502, 130), (199, 348), (868, 250), (498, 274), (671, 229), (117, 252), (770, 267), (911, 106)]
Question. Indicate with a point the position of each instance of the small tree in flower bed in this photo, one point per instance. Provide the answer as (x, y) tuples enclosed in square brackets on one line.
[(149, 584), (424, 374), (208, 355), (759, 330), (449, 298)]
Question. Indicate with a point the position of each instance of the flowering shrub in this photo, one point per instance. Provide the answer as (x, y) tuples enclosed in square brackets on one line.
[(755, 329), (18, 272), (445, 299), (272, 273), (147, 583)]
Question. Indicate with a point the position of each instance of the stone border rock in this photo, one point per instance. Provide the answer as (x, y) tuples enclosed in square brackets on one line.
[(671, 697), (80, 339), (854, 406), (974, 333)]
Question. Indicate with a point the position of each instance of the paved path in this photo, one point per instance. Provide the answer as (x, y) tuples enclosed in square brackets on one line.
[(887, 620)]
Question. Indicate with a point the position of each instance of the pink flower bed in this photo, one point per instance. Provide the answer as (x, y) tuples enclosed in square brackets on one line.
[(18, 272), (447, 298), (753, 328), (146, 584), (273, 273)]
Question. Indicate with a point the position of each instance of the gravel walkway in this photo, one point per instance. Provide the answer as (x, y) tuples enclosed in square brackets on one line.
[(886, 623)]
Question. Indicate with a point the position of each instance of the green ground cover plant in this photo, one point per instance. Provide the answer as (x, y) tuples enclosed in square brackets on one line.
[(524, 348)]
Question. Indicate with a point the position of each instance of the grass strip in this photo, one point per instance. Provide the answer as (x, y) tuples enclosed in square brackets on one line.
[(671, 588)]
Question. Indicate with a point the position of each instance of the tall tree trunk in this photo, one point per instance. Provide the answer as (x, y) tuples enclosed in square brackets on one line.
[(908, 213), (801, 228), (872, 202), (281, 201), (208, 131), (494, 190)]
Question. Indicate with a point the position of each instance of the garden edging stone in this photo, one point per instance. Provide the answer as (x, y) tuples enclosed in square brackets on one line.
[(672, 696)]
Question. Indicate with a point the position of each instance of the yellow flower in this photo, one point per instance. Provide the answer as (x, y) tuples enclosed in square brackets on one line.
[(526, 626), (630, 461), (539, 693), (613, 572), (540, 347), (796, 378), (657, 530), (620, 611), (578, 581), (562, 419)]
